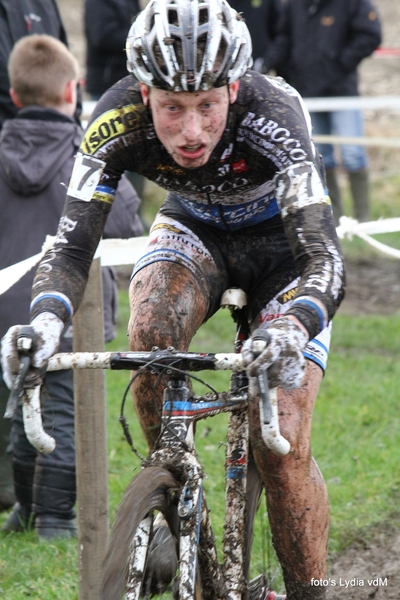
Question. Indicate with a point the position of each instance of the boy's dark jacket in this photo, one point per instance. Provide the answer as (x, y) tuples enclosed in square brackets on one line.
[(37, 151), (322, 42)]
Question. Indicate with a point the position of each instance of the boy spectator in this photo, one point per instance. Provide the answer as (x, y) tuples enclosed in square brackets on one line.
[(19, 18), (37, 150)]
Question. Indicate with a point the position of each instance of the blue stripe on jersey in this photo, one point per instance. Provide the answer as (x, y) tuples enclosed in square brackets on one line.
[(235, 216), (106, 189)]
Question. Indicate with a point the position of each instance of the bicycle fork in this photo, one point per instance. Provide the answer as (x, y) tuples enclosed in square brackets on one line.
[(237, 452)]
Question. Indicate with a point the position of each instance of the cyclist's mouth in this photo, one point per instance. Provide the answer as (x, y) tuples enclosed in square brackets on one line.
[(193, 152)]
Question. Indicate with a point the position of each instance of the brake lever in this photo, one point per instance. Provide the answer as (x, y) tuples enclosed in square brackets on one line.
[(261, 339), (25, 344), (269, 419)]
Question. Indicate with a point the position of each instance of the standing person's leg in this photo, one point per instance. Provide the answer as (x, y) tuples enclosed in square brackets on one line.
[(23, 468), (168, 305), (54, 486), (7, 496), (45, 486), (323, 125), (355, 160)]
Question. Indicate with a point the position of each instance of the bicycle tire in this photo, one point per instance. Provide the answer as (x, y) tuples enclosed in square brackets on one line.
[(152, 489)]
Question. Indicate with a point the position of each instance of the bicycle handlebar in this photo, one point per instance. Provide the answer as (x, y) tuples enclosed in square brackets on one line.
[(33, 425), (187, 361)]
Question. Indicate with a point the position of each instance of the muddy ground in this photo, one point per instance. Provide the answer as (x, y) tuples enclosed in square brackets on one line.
[(373, 288)]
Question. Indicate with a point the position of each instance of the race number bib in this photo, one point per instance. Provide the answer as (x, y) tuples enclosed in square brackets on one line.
[(85, 177)]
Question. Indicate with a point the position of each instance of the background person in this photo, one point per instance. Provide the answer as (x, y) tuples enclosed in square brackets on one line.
[(246, 207), (107, 24), (321, 44), (19, 18), (37, 150), (263, 20)]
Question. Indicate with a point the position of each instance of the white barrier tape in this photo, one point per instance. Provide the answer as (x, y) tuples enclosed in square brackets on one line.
[(387, 53), (10, 275), (352, 103), (113, 252), (357, 141), (116, 252), (349, 227)]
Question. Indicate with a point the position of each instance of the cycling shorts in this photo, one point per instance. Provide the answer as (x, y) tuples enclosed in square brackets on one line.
[(256, 259)]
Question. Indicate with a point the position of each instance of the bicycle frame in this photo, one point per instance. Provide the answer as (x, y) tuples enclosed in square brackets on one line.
[(175, 451)]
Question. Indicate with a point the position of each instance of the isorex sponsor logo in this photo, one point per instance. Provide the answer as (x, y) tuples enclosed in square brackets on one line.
[(110, 125), (274, 133)]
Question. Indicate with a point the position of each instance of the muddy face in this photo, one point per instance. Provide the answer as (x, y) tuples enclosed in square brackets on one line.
[(190, 125)]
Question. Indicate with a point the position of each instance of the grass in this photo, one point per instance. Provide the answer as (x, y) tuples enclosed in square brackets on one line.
[(356, 436)]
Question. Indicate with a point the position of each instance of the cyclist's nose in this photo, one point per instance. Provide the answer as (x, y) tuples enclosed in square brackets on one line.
[(192, 126)]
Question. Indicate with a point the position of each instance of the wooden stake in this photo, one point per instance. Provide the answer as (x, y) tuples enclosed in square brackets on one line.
[(91, 442)]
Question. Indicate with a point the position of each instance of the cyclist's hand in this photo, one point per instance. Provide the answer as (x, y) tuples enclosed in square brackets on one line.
[(283, 356), (47, 328)]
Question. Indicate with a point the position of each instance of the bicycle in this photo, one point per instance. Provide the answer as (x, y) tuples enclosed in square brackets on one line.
[(165, 502)]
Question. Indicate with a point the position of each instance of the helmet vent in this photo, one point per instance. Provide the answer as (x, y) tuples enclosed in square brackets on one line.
[(203, 16), (158, 55), (173, 18)]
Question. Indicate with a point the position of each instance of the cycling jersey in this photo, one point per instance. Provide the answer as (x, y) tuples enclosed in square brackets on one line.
[(264, 167)]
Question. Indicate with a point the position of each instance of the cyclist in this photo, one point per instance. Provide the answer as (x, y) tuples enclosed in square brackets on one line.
[(247, 206)]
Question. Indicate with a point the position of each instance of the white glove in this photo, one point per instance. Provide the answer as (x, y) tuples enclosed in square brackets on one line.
[(48, 328), (283, 356)]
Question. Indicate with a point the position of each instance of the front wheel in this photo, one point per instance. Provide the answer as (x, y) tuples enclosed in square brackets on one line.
[(153, 489)]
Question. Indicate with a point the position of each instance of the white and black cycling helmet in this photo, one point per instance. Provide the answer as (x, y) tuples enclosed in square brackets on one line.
[(188, 45)]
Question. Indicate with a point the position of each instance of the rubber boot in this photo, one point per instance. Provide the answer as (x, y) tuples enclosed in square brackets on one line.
[(7, 495), (334, 194), (54, 494), (21, 517), (359, 186)]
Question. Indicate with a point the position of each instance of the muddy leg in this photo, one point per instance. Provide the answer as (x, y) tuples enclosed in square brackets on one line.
[(167, 307), (297, 498)]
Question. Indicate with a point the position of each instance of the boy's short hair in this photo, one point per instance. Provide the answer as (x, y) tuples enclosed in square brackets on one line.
[(39, 68)]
